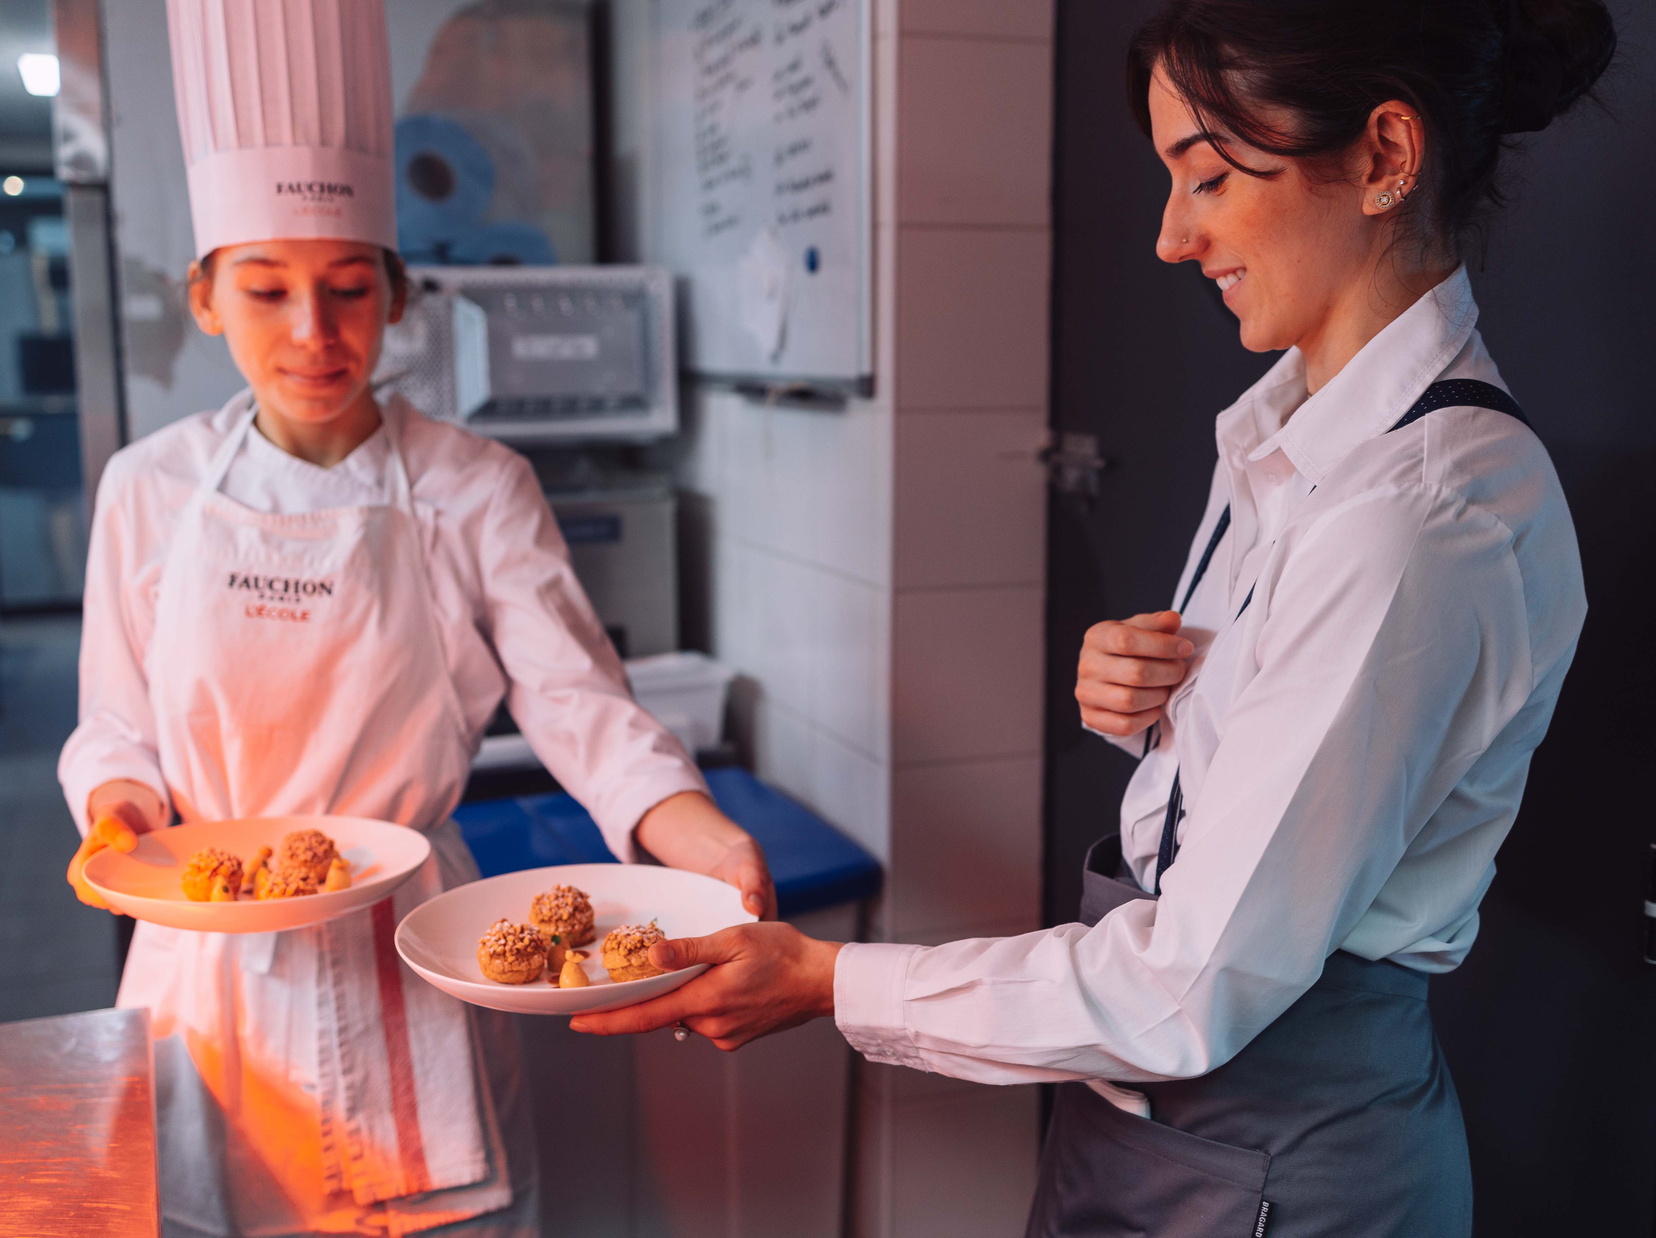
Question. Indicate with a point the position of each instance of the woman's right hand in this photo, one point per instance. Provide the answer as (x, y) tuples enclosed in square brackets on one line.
[(1128, 670), (120, 812)]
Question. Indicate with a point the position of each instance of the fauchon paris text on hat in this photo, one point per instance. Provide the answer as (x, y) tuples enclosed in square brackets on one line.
[(284, 107)]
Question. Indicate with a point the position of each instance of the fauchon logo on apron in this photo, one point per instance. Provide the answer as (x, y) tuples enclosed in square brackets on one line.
[(284, 599)]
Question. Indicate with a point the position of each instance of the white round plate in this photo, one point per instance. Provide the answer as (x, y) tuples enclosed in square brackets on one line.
[(438, 939), (144, 883)]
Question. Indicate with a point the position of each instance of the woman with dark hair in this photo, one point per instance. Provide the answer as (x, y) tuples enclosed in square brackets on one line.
[(1336, 725)]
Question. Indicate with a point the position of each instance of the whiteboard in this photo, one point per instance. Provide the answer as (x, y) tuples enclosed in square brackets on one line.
[(764, 205)]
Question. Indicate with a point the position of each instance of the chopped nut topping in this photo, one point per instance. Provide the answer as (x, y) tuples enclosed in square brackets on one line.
[(515, 945), (211, 862), (632, 942), (206, 867), (286, 882), (308, 849), (565, 911)]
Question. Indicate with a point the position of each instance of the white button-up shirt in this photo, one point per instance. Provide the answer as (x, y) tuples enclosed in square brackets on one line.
[(1353, 748), (514, 620)]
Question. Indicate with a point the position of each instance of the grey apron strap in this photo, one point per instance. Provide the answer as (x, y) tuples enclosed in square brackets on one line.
[(1448, 393)]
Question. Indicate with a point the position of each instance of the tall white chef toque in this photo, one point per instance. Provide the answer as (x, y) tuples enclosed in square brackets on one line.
[(285, 111)]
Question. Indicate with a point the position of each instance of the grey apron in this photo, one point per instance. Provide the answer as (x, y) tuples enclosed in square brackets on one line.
[(1337, 1121)]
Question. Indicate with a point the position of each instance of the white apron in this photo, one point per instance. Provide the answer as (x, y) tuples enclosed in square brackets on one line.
[(307, 1081)]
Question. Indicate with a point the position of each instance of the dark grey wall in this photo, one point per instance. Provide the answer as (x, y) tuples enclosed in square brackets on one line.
[(1551, 1025)]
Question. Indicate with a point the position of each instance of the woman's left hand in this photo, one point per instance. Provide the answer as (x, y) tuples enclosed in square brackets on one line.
[(688, 831), (761, 978)]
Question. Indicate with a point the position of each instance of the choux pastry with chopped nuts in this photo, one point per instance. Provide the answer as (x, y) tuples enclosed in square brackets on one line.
[(206, 867), (564, 911), (627, 952), (309, 850), (284, 883), (511, 953)]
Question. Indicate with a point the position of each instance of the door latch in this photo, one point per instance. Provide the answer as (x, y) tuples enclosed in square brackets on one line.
[(1650, 912), (1075, 466)]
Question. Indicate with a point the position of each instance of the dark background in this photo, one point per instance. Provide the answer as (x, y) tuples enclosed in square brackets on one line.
[(1550, 1026)]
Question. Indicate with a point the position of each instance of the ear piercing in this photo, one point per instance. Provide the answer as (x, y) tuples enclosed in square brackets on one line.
[(1388, 198)]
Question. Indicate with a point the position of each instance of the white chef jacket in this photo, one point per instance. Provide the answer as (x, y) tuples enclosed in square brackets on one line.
[(1353, 748), (513, 617)]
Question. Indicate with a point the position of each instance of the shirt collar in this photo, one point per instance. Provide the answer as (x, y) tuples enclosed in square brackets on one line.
[(1364, 399), (365, 465)]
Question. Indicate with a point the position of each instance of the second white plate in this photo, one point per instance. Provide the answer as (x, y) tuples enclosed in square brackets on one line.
[(438, 939), (145, 883)]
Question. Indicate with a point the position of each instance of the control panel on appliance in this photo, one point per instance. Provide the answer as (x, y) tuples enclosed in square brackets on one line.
[(539, 354)]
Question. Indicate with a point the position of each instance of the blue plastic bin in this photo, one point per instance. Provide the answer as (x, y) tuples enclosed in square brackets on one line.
[(813, 863)]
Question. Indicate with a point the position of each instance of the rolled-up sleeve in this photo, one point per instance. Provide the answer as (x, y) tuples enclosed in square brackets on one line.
[(116, 736), (1391, 653), (568, 691)]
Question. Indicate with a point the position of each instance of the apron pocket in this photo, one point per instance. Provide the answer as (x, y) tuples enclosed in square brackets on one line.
[(1110, 1174)]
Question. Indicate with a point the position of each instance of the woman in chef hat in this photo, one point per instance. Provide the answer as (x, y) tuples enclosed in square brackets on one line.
[(308, 602)]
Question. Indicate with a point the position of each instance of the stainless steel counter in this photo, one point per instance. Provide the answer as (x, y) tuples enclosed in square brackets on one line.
[(77, 1127)]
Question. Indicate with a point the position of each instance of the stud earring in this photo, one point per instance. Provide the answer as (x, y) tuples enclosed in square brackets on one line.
[(1388, 198)]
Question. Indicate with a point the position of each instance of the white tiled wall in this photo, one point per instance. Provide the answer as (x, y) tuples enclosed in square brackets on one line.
[(998, 537), (800, 592), (971, 329), (972, 315), (878, 575)]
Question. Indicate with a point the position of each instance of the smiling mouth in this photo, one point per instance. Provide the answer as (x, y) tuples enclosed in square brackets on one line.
[(1232, 279)]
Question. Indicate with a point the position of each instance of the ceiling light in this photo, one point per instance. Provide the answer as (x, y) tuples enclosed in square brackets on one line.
[(13, 185), (40, 73)]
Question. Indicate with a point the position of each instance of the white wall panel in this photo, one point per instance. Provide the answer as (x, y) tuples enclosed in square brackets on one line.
[(974, 121), (972, 318), (972, 506)]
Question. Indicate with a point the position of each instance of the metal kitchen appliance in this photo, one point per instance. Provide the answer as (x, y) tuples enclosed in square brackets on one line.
[(622, 534), (539, 355)]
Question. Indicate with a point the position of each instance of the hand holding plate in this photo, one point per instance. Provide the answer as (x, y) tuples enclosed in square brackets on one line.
[(760, 978)]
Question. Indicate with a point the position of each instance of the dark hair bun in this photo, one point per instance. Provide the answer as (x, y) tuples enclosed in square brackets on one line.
[(1555, 51), (1476, 70)]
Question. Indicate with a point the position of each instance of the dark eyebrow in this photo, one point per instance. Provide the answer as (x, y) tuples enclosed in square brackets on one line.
[(1177, 150), (259, 260)]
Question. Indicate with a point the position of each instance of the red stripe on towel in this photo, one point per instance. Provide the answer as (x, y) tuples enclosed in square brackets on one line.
[(399, 1054)]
